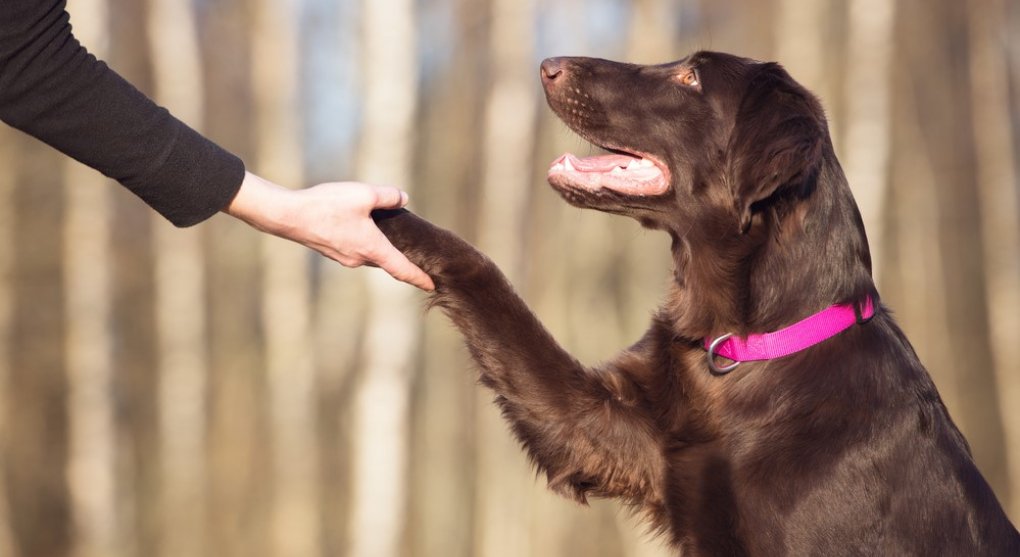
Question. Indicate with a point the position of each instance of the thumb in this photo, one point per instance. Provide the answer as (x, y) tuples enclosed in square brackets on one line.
[(401, 268), (389, 197), (391, 260)]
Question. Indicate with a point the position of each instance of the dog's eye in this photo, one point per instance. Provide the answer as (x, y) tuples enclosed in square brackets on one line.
[(689, 77)]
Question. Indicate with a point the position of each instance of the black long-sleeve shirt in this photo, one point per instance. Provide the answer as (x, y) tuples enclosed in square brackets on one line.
[(53, 89)]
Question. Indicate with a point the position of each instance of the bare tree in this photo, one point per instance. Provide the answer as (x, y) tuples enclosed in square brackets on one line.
[(7, 261), (133, 320), (36, 450), (180, 302), (380, 433), (286, 300), (942, 114), (238, 454), (330, 50), (804, 45), (869, 88), (1000, 223), (92, 466), (89, 339)]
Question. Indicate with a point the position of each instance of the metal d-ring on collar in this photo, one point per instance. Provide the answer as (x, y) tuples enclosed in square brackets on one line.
[(711, 357)]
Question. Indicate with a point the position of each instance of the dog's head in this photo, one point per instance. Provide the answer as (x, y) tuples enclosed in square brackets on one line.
[(711, 140), (732, 157)]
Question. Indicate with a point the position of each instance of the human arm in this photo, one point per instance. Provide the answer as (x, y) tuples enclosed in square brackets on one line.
[(53, 89)]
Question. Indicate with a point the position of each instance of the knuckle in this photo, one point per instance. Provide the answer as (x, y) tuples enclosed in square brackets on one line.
[(349, 262)]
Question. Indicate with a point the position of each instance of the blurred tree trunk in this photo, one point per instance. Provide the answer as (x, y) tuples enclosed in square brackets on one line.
[(805, 45), (7, 263), (238, 458), (941, 108), (443, 487), (180, 303), (504, 495), (913, 260), (912, 281), (89, 353), (868, 98), (748, 26), (1000, 225), (36, 451), (290, 358), (89, 340), (329, 56), (381, 410), (133, 320)]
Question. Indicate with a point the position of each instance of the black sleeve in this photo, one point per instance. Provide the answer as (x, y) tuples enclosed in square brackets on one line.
[(51, 88)]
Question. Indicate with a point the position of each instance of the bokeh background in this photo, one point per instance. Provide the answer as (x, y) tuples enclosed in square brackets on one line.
[(216, 392)]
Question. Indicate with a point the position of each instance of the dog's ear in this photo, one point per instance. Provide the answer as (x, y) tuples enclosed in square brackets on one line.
[(777, 141)]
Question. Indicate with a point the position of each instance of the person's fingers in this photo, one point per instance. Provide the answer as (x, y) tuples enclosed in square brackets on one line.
[(399, 267), (388, 197)]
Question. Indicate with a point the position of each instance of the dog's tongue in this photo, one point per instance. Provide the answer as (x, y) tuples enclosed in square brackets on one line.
[(602, 163), (621, 173)]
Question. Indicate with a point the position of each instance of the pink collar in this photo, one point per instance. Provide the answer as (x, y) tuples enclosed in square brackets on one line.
[(790, 340)]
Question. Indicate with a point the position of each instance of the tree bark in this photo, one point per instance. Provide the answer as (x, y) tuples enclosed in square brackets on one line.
[(868, 98), (286, 303), (1000, 223), (329, 55), (133, 320), (381, 410), (7, 263), (238, 457), (89, 340), (37, 447), (942, 109), (180, 291), (805, 46)]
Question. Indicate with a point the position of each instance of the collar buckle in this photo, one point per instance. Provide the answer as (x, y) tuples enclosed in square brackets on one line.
[(716, 369)]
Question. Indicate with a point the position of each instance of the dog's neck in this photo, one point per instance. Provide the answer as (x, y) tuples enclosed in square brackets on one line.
[(798, 258)]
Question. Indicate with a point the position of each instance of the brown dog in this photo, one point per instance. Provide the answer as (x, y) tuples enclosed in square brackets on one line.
[(840, 447)]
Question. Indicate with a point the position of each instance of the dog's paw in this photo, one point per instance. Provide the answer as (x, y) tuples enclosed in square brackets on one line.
[(437, 251)]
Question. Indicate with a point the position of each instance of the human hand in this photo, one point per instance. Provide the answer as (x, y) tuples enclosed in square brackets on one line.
[(332, 219)]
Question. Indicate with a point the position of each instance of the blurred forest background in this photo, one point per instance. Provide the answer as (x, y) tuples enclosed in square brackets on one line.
[(216, 392)]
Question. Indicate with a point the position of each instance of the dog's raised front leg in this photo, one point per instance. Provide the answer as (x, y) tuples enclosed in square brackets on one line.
[(583, 427)]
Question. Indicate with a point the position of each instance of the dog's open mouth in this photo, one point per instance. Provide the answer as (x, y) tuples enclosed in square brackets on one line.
[(620, 172)]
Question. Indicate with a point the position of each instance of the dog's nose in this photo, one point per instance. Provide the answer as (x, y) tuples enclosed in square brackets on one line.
[(552, 68)]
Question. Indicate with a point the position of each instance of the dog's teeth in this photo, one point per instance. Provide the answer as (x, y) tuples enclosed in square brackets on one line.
[(645, 163), (567, 165), (558, 166), (616, 170), (633, 164)]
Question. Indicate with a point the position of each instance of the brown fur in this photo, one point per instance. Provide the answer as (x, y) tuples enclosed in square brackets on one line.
[(842, 449)]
